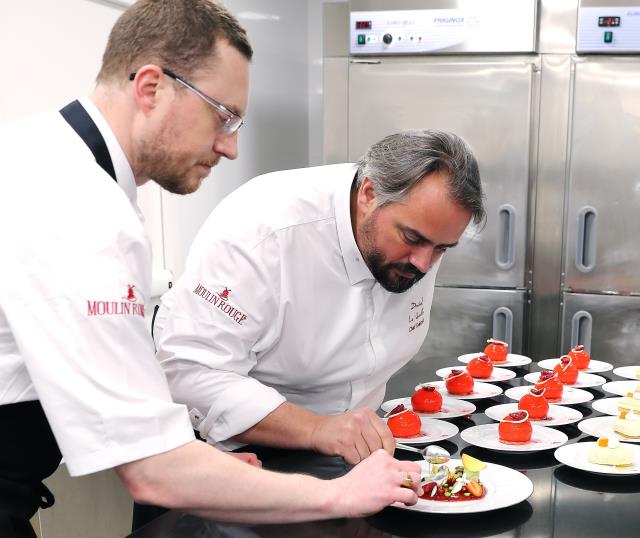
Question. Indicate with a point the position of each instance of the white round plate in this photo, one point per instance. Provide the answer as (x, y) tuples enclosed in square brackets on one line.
[(486, 436), (512, 360), (627, 371), (480, 390), (595, 367), (497, 374), (608, 406), (570, 395), (433, 429), (575, 455), (603, 427), (558, 415), (583, 381), (620, 387), (505, 487), (451, 407)]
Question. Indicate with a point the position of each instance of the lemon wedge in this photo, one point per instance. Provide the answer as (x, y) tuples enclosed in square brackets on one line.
[(472, 464)]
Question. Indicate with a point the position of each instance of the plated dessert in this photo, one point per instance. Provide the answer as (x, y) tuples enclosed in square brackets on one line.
[(557, 415), (451, 407), (610, 451), (460, 483), (580, 356), (551, 384), (459, 382), (480, 367), (570, 395), (426, 399), (535, 404), (403, 422), (631, 401), (566, 370), (496, 350), (627, 424), (515, 428)]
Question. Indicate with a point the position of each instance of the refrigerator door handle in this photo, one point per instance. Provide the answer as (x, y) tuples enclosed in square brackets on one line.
[(581, 324), (506, 239), (586, 247), (503, 325)]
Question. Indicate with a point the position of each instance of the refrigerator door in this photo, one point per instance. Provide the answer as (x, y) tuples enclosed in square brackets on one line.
[(602, 223), (463, 319), (607, 325), (489, 105)]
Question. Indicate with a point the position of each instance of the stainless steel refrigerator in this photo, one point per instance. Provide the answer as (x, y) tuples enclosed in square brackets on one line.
[(437, 73), (601, 255), (547, 94)]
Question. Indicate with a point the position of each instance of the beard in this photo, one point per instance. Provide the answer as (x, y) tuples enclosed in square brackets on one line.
[(172, 169), (384, 273)]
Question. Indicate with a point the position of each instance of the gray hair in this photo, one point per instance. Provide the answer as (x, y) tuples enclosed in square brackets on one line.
[(400, 161)]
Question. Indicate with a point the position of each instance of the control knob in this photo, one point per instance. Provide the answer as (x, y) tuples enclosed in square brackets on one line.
[(387, 38)]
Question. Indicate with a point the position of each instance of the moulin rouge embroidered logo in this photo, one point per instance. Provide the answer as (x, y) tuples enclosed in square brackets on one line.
[(131, 296), (221, 301), (128, 306)]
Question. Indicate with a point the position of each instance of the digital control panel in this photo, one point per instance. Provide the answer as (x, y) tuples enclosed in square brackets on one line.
[(499, 26), (609, 29)]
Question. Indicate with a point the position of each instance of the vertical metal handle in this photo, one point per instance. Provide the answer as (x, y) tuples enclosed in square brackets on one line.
[(503, 325), (586, 246), (581, 324), (506, 239)]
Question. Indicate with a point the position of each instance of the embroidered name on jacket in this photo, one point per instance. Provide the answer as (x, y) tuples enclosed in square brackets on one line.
[(128, 306), (220, 301)]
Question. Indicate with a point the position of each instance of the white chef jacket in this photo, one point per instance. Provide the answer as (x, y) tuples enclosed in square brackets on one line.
[(74, 278), (277, 304)]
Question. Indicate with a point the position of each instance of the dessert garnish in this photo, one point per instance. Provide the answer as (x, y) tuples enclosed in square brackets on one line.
[(517, 417), (546, 375), (397, 410)]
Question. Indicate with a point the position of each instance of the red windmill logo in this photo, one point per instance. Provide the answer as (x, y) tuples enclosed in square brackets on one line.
[(225, 293), (131, 296)]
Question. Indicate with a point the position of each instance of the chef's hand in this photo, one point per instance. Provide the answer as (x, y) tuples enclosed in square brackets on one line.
[(376, 483), (353, 435), (247, 457)]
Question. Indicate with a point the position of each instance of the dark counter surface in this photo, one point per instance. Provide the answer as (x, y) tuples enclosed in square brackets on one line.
[(566, 503)]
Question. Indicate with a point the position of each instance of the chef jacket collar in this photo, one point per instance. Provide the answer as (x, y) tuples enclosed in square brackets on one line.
[(124, 174), (357, 269)]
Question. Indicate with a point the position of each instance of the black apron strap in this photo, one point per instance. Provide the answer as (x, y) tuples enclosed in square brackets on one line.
[(79, 119), (29, 453)]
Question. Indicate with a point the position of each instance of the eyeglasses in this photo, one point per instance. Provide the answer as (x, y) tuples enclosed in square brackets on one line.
[(232, 121)]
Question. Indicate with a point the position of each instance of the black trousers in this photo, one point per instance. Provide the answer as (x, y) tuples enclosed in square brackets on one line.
[(28, 454)]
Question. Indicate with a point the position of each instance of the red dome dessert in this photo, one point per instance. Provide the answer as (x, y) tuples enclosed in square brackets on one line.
[(459, 382), (426, 399), (403, 422), (496, 350), (567, 371), (515, 428), (580, 357), (480, 367), (551, 384), (534, 403)]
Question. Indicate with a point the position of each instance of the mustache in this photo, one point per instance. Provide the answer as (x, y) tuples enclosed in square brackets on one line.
[(407, 268), (211, 162)]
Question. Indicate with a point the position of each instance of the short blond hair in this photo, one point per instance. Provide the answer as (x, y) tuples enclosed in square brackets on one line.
[(178, 34)]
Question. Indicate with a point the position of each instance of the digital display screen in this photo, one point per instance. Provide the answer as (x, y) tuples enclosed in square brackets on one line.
[(363, 25), (608, 22)]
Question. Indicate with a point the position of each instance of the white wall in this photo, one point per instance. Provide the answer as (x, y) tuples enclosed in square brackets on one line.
[(276, 135), (50, 52)]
